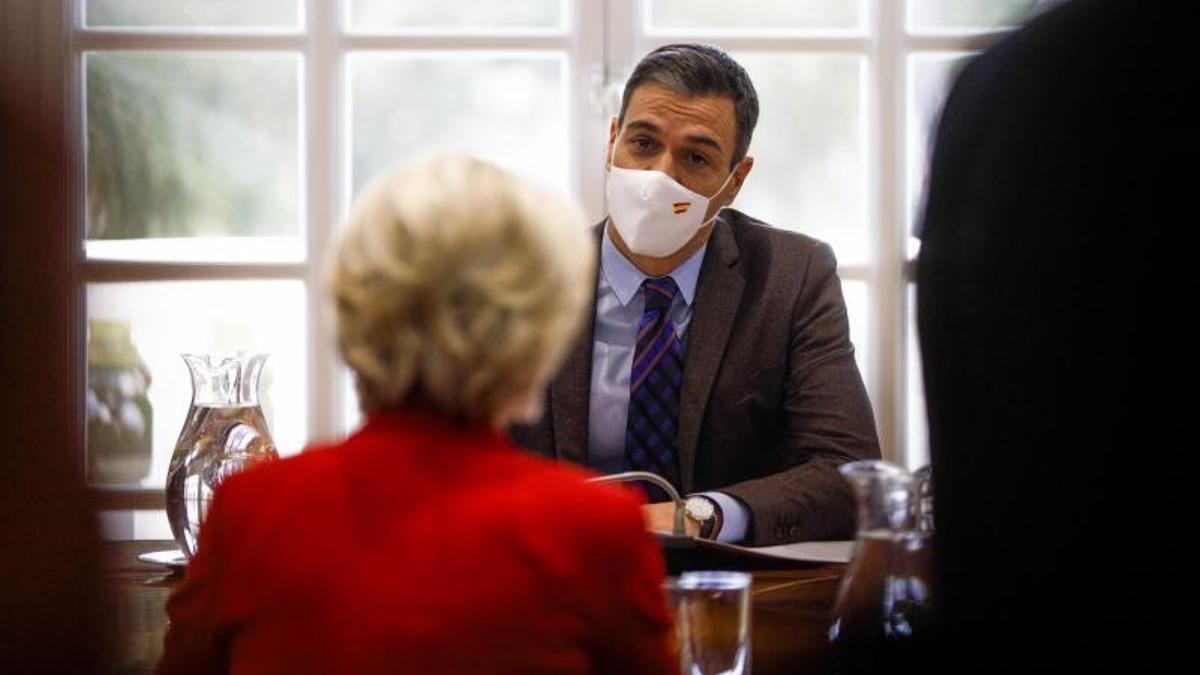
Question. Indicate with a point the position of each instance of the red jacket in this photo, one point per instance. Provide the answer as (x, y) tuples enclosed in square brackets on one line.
[(417, 546)]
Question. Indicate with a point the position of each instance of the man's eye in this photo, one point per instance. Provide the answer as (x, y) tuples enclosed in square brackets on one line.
[(699, 159), (642, 143)]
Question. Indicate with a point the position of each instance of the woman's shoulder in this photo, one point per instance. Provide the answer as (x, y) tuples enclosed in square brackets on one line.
[(564, 493), (273, 478)]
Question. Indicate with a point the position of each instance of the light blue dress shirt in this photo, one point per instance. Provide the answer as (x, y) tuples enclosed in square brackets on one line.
[(619, 307)]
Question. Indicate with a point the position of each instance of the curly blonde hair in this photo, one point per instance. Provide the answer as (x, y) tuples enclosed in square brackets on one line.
[(461, 285)]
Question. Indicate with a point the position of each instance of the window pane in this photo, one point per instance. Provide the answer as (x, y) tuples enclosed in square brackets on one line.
[(389, 14), (770, 15), (929, 80), (139, 390), (858, 310), (809, 149), (967, 14), (507, 109), (193, 13), (917, 436), (352, 417), (196, 145)]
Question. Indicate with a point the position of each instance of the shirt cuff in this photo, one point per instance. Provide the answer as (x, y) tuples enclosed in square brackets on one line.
[(735, 517)]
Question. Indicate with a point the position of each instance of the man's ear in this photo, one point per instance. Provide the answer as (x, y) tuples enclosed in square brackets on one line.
[(613, 130), (739, 176)]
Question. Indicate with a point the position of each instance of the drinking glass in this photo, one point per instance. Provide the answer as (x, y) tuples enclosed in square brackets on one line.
[(712, 621)]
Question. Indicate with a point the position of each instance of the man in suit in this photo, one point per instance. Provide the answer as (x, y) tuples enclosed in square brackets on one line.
[(719, 353), (1054, 269)]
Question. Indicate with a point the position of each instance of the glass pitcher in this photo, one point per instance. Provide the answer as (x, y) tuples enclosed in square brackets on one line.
[(883, 615), (224, 433)]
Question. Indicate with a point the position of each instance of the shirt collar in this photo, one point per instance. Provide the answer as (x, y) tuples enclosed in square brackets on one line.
[(625, 279)]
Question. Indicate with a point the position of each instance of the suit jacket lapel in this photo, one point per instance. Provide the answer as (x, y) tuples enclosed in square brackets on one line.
[(570, 392), (718, 294)]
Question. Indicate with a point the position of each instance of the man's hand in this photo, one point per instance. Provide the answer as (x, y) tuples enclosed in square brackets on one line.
[(661, 518)]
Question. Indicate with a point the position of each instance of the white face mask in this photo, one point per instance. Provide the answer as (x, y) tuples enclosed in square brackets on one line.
[(653, 213)]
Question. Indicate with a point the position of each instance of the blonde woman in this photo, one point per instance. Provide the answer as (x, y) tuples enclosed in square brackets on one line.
[(427, 542)]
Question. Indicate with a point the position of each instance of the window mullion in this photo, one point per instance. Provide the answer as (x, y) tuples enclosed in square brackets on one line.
[(323, 166), (888, 204), (108, 271)]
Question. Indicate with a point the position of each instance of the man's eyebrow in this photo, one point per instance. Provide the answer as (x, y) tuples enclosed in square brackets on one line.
[(644, 125)]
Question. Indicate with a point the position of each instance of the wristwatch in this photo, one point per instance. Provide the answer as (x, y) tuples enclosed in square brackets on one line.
[(706, 512)]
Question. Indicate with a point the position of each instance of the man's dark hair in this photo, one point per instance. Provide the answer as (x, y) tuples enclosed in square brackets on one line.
[(699, 70)]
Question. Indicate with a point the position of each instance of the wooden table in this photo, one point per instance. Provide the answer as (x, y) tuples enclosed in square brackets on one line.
[(138, 596), (790, 622)]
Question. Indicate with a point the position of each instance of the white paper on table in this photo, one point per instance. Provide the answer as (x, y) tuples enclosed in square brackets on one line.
[(813, 551)]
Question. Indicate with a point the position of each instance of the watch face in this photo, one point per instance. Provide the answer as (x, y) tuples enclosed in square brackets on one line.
[(700, 508)]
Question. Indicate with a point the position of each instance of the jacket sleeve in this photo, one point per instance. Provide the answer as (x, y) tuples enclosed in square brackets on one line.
[(826, 421)]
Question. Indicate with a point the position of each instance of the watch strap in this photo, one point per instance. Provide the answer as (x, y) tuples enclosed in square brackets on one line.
[(710, 527)]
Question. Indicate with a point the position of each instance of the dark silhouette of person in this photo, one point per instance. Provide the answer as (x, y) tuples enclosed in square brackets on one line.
[(50, 606), (1054, 291)]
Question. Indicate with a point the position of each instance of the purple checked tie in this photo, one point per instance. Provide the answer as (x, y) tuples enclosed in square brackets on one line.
[(652, 432)]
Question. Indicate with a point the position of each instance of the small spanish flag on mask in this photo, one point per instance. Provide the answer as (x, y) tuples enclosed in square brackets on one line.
[(681, 207)]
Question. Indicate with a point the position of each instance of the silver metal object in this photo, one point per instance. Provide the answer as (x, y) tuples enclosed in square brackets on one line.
[(634, 476)]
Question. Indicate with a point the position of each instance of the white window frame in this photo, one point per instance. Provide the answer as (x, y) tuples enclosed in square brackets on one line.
[(601, 40), (322, 44)]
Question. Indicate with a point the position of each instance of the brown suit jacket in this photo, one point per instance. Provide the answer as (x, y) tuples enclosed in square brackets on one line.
[(772, 400)]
